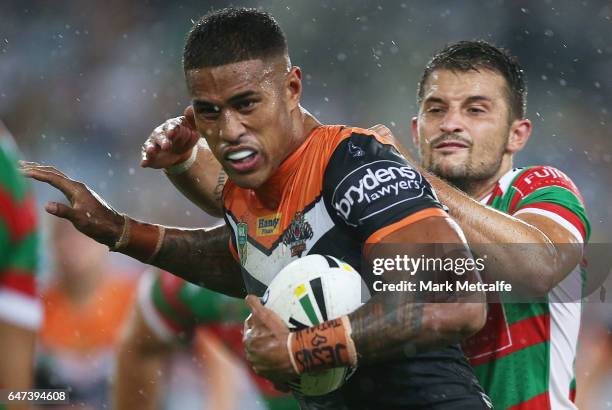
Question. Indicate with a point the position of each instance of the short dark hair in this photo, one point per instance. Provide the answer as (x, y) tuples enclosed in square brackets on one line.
[(231, 35), (473, 55)]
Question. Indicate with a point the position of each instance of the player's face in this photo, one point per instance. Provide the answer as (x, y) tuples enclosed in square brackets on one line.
[(463, 124), (244, 111)]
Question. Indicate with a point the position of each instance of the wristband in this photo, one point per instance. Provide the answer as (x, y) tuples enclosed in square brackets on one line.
[(323, 346), (139, 240), (183, 166)]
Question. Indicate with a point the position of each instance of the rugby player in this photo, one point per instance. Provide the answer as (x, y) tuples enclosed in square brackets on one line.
[(20, 307), (531, 221), (306, 183)]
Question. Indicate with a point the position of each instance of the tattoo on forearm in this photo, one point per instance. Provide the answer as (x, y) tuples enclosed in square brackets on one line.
[(202, 257), (218, 192), (386, 326)]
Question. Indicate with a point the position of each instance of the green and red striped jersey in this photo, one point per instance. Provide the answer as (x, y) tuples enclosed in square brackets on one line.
[(18, 244), (175, 309), (524, 356)]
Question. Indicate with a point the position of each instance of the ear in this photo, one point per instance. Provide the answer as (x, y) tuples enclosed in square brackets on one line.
[(520, 130), (415, 131), (293, 87)]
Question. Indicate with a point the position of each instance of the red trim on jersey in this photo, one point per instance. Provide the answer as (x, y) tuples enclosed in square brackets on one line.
[(543, 176), (20, 218), (572, 395), (170, 286), (563, 212), (539, 402), (524, 333), (19, 280)]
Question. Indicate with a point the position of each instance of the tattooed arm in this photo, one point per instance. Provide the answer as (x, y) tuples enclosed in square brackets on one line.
[(394, 323), (203, 183), (202, 257)]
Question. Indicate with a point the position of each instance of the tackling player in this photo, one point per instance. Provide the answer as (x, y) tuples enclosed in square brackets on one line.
[(20, 308), (283, 164)]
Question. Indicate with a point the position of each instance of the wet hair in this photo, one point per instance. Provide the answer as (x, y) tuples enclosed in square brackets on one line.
[(232, 35), (464, 56)]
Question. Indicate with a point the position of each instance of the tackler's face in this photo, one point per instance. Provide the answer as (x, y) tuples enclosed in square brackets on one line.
[(463, 125), (244, 110)]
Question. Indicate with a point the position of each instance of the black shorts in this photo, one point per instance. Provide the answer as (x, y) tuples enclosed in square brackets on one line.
[(415, 384)]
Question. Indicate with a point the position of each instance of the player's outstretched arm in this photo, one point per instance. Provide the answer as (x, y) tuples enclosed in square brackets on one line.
[(176, 147), (200, 256), (542, 254)]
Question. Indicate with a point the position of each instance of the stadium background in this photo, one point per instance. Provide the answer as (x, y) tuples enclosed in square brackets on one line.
[(82, 84)]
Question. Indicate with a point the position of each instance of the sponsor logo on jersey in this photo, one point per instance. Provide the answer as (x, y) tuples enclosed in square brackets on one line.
[(268, 225), (297, 233), (243, 234), (383, 182)]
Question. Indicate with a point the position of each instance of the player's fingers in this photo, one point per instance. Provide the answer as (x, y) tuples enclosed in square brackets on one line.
[(24, 165), (257, 310), (61, 182), (60, 210), (190, 117), (382, 130)]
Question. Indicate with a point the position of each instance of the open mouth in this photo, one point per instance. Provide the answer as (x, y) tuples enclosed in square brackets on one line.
[(243, 160)]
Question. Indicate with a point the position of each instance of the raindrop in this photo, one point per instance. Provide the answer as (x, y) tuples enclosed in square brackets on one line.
[(341, 57), (131, 171), (549, 33), (562, 82), (524, 10)]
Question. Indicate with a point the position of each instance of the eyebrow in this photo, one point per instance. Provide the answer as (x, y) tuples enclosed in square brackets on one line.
[(202, 103), (471, 99)]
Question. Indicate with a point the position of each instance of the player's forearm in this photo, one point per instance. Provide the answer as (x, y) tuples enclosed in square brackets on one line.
[(517, 252), (201, 256), (203, 182), (141, 358), (388, 326), (138, 379)]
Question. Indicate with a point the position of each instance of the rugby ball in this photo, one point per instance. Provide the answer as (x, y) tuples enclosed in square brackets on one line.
[(309, 291)]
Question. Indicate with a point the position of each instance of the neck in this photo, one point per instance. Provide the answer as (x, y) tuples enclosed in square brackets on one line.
[(479, 188)]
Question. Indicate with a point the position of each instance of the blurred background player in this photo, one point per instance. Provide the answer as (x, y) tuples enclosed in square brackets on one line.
[(86, 303), (20, 308), (172, 313)]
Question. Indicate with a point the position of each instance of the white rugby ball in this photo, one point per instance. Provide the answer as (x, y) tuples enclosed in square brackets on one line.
[(309, 291)]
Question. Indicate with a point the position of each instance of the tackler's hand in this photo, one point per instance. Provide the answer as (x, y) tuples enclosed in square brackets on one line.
[(384, 131), (170, 143), (89, 213)]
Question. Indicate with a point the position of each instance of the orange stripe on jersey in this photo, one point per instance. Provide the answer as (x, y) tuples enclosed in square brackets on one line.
[(410, 219)]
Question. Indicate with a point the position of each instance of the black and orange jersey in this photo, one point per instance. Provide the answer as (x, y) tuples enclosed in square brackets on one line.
[(341, 189), (344, 187)]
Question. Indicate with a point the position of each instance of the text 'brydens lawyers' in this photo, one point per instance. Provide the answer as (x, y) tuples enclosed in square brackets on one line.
[(411, 265)]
